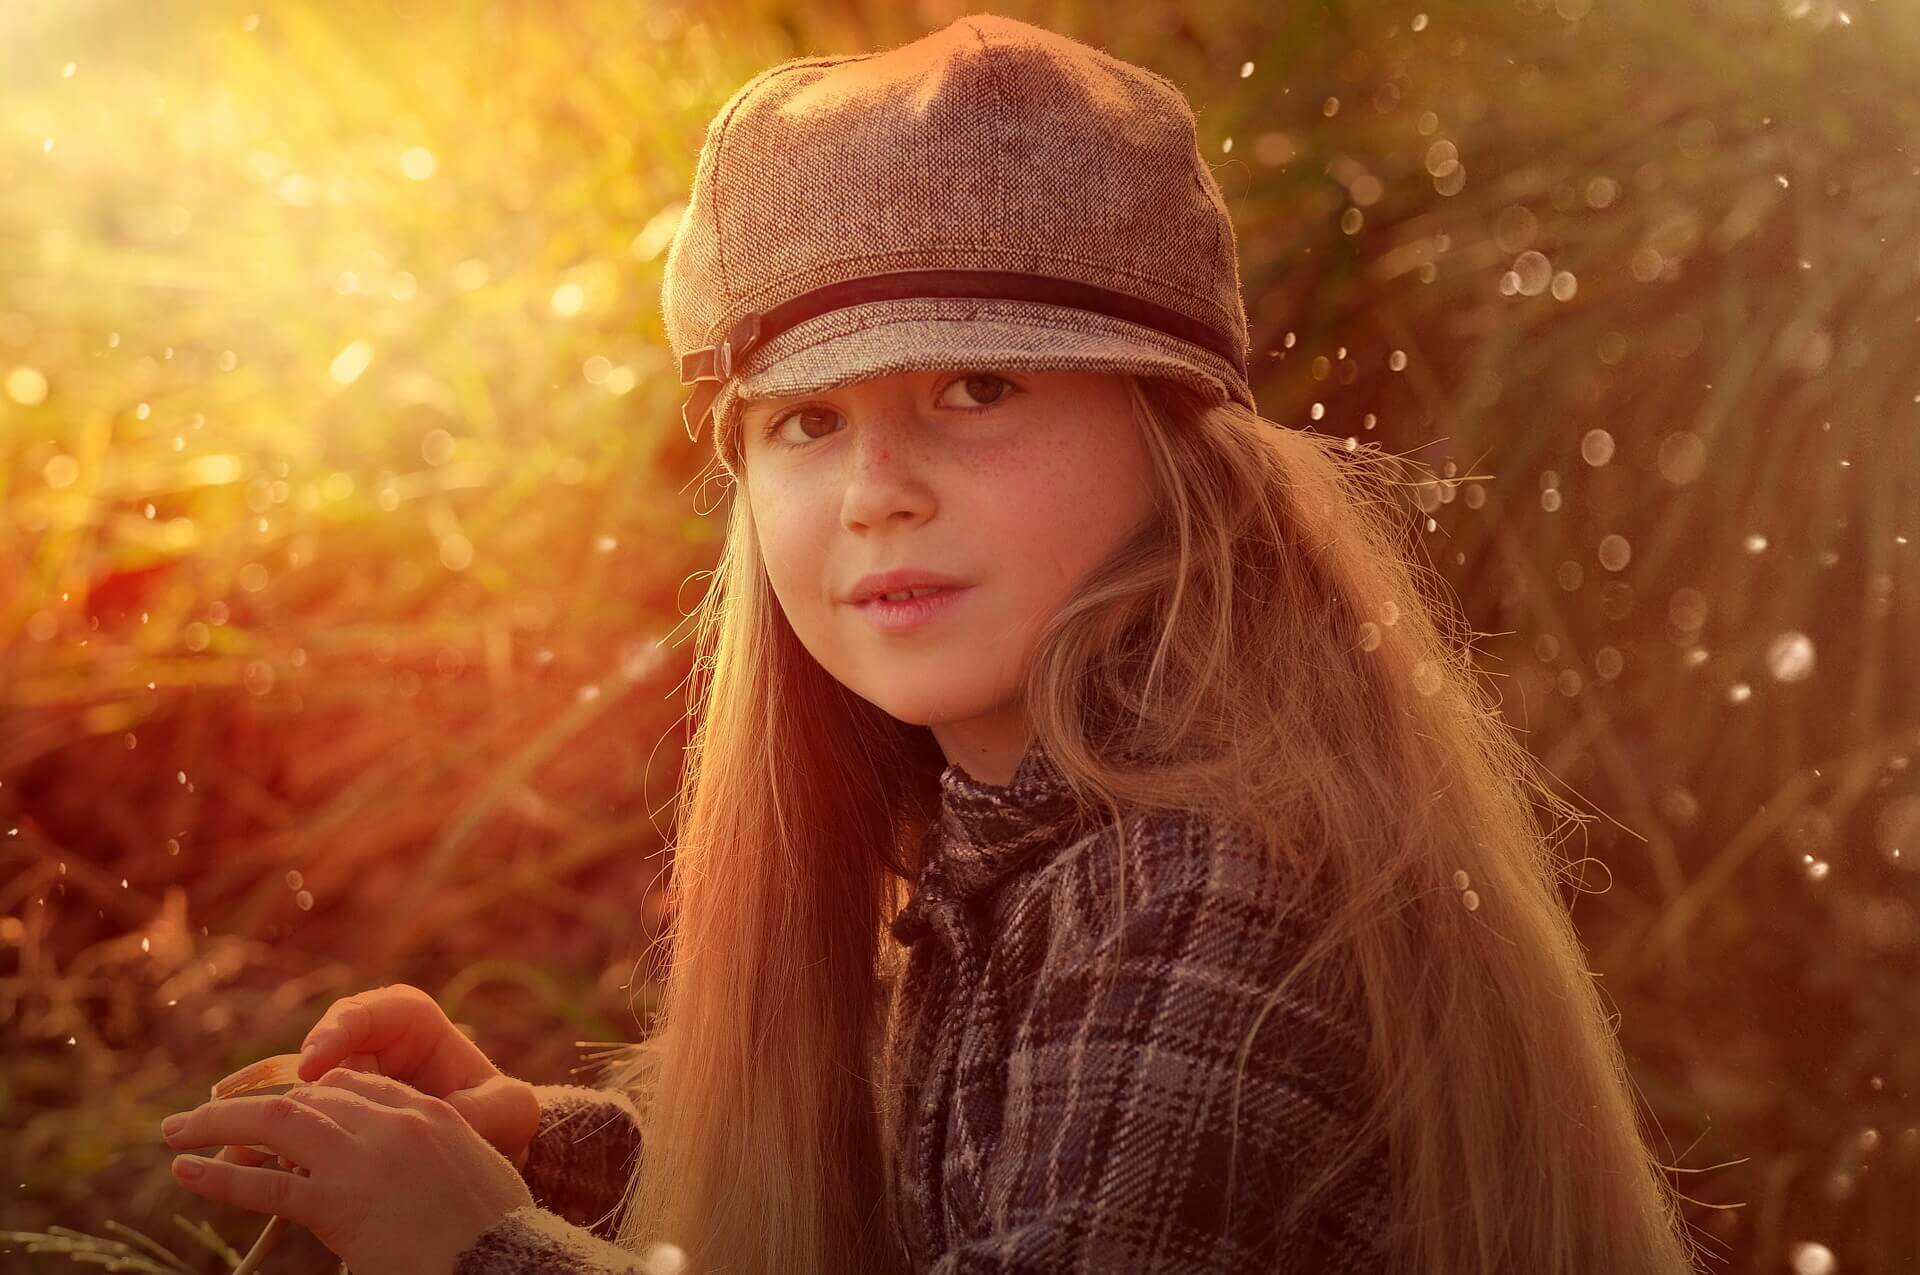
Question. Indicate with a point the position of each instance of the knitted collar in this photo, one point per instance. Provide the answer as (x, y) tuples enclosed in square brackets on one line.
[(986, 831)]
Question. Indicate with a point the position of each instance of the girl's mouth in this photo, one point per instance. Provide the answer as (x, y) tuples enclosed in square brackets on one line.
[(911, 613)]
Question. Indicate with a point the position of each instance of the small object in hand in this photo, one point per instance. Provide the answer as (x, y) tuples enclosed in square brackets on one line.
[(281, 1070), (276, 1072)]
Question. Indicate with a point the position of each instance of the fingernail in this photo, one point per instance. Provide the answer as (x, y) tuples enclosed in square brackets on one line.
[(171, 1125), (189, 1166)]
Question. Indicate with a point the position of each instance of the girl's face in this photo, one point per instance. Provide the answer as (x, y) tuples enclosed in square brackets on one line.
[(1015, 483)]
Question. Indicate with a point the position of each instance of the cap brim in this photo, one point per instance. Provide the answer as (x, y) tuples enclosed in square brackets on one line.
[(861, 343)]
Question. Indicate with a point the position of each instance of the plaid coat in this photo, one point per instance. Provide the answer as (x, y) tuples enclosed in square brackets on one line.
[(1061, 1091)]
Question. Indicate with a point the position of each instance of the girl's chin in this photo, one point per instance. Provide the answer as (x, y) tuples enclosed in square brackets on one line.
[(921, 702)]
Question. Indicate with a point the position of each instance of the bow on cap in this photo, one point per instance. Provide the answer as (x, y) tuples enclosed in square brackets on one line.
[(708, 368)]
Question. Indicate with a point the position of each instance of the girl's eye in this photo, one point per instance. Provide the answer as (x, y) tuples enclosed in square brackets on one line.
[(988, 389), (1006, 389), (798, 413)]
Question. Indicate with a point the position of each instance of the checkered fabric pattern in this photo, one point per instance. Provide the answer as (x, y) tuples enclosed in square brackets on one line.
[(577, 1167), (1067, 1085), (1061, 1090)]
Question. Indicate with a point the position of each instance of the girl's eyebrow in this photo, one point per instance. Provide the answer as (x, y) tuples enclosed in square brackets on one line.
[(755, 410), (767, 406)]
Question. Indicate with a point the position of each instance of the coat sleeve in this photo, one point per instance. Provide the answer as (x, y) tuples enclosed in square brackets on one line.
[(578, 1163), (536, 1241), (582, 1153), (1112, 1144)]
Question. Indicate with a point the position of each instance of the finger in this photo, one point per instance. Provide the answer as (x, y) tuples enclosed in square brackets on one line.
[(355, 1062), (246, 1157), (368, 1022), (401, 1028), (283, 1123), (252, 1157), (384, 1090), (365, 1022), (504, 1111), (294, 1196)]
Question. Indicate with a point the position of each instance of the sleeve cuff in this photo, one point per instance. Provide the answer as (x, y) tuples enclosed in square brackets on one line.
[(534, 1241)]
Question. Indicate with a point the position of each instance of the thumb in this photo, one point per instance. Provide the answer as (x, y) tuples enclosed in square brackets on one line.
[(502, 1109)]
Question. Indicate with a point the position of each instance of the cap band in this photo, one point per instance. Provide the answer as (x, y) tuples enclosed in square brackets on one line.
[(709, 367)]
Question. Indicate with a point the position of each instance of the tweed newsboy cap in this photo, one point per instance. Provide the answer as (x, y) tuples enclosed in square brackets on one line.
[(992, 194)]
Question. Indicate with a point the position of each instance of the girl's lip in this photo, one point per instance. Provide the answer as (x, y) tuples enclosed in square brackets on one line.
[(903, 617)]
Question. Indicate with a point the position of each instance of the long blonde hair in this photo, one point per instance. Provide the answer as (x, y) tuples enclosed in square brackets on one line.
[(1267, 649)]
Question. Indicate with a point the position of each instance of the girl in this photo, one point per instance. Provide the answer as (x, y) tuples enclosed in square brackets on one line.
[(1160, 894)]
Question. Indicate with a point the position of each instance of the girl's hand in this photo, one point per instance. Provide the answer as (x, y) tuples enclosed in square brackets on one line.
[(395, 1180), (401, 1031)]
